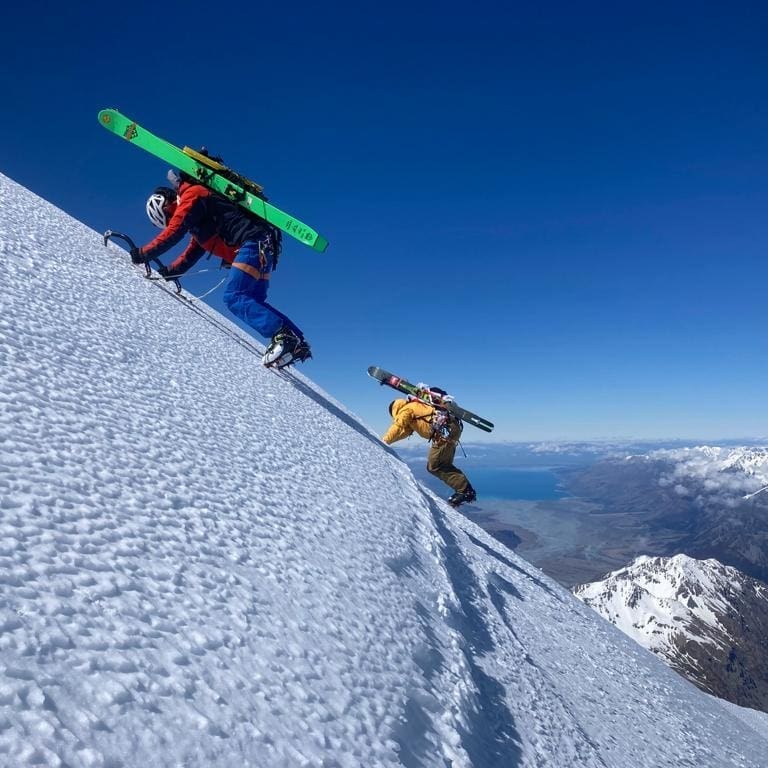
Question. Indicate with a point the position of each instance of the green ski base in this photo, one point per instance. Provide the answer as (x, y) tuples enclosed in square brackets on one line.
[(213, 175), (401, 385)]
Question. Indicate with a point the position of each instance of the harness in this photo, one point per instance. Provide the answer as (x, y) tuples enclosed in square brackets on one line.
[(440, 423)]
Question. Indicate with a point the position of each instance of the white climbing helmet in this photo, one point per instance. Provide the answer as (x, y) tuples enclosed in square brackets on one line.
[(160, 206)]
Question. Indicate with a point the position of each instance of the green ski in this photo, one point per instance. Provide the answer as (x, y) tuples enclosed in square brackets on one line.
[(214, 175)]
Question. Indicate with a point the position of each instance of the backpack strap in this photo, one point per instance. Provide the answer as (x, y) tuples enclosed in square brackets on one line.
[(440, 421)]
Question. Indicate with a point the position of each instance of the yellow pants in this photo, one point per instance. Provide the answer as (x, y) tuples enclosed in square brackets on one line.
[(440, 461)]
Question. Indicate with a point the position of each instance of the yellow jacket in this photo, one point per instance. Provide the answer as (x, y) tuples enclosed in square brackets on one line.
[(409, 417)]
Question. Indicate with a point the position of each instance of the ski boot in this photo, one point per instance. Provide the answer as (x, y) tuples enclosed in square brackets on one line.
[(468, 495), (285, 348)]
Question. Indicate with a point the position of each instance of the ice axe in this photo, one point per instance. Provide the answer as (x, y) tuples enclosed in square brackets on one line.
[(110, 234)]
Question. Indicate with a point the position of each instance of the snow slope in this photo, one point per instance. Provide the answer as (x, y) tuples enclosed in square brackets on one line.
[(204, 563)]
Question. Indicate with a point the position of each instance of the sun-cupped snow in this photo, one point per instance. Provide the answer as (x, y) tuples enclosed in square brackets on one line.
[(206, 563)]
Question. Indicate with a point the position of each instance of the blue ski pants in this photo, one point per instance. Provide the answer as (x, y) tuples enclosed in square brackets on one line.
[(246, 291)]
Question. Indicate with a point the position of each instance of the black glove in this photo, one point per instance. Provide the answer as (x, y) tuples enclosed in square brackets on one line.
[(166, 273), (136, 256)]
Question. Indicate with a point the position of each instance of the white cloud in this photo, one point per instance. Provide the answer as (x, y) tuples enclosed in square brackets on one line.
[(723, 471)]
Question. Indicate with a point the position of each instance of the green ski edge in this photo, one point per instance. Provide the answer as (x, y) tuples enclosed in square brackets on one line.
[(131, 131)]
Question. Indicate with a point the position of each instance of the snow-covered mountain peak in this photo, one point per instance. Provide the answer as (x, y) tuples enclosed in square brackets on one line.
[(711, 469), (659, 592), (690, 611), (681, 574), (205, 563)]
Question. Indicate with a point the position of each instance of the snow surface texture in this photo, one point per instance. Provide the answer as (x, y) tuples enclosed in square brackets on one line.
[(205, 563)]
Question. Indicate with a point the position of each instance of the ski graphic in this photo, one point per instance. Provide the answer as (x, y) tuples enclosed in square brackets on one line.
[(214, 175), (425, 396)]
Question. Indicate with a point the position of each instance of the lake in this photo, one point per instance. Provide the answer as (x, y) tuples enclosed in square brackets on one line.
[(515, 483), (509, 483)]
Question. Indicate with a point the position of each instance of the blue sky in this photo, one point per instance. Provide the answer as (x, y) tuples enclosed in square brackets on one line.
[(558, 214)]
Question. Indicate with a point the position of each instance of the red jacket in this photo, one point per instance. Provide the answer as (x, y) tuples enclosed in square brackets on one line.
[(217, 226)]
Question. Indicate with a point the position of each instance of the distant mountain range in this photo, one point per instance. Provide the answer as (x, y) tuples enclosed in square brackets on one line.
[(706, 620), (709, 502)]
